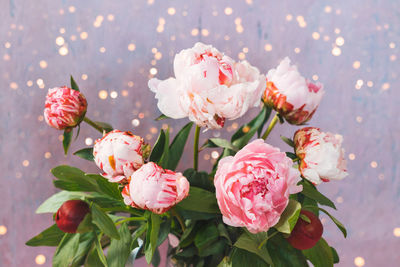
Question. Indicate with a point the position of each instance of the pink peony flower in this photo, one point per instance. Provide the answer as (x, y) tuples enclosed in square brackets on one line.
[(118, 154), (155, 189), (253, 187), (321, 155), (292, 95), (209, 87), (64, 107)]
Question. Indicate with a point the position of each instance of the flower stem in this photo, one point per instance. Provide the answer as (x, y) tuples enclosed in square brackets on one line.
[(196, 148), (271, 126), (179, 218), (265, 240), (93, 124)]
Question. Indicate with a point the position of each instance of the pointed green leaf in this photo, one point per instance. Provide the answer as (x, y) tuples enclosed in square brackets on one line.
[(310, 191), (119, 250), (335, 255), (67, 139), (85, 153), (289, 217), (66, 250), (162, 117), (53, 203), (105, 224), (287, 141), (163, 162), (320, 255), (177, 146), (250, 242), (219, 142), (158, 148), (206, 235), (105, 187), (74, 85), (106, 126), (49, 237), (200, 200), (283, 254), (100, 251), (86, 224), (152, 236)]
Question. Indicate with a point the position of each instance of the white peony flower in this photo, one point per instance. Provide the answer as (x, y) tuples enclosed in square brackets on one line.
[(208, 87), (321, 155)]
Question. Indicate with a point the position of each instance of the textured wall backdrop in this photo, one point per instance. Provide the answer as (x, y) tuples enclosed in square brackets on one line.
[(113, 47)]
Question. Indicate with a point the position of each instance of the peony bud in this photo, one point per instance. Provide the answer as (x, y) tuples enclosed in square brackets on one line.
[(118, 154), (71, 214), (64, 107), (155, 189), (290, 94), (321, 155), (306, 234)]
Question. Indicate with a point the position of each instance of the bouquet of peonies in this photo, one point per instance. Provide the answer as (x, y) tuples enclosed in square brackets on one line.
[(258, 207)]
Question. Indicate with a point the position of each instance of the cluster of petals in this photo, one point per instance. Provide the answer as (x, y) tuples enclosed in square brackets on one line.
[(253, 187), (290, 94), (118, 154), (321, 155), (209, 87), (64, 107), (156, 189)]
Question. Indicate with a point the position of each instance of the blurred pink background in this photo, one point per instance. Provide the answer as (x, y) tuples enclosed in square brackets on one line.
[(113, 47)]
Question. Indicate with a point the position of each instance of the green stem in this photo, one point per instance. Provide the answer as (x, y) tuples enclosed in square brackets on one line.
[(265, 240), (118, 209), (196, 148), (179, 218), (93, 124), (271, 126), (130, 219)]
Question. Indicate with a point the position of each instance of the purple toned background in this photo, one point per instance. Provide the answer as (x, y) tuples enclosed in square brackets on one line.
[(113, 47)]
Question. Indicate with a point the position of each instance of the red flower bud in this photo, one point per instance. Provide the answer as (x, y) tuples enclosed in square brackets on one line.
[(71, 214), (306, 234)]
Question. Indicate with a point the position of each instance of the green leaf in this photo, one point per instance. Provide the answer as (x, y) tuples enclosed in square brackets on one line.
[(335, 255), (100, 251), (244, 258), (305, 218), (110, 189), (53, 203), (336, 221), (283, 254), (165, 229), (49, 237), (86, 224), (161, 117), (250, 242), (86, 153), (73, 179), (199, 179), (215, 248), (106, 126), (310, 191), (152, 236), (289, 217), (291, 155), (219, 142), (85, 243), (224, 233), (287, 141), (247, 131), (67, 139), (177, 146), (206, 235), (104, 222), (320, 255), (200, 200), (66, 250), (163, 162), (188, 235), (158, 148), (93, 258), (74, 85)]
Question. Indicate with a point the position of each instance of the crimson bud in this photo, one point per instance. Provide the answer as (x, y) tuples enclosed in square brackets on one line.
[(306, 234), (71, 214)]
